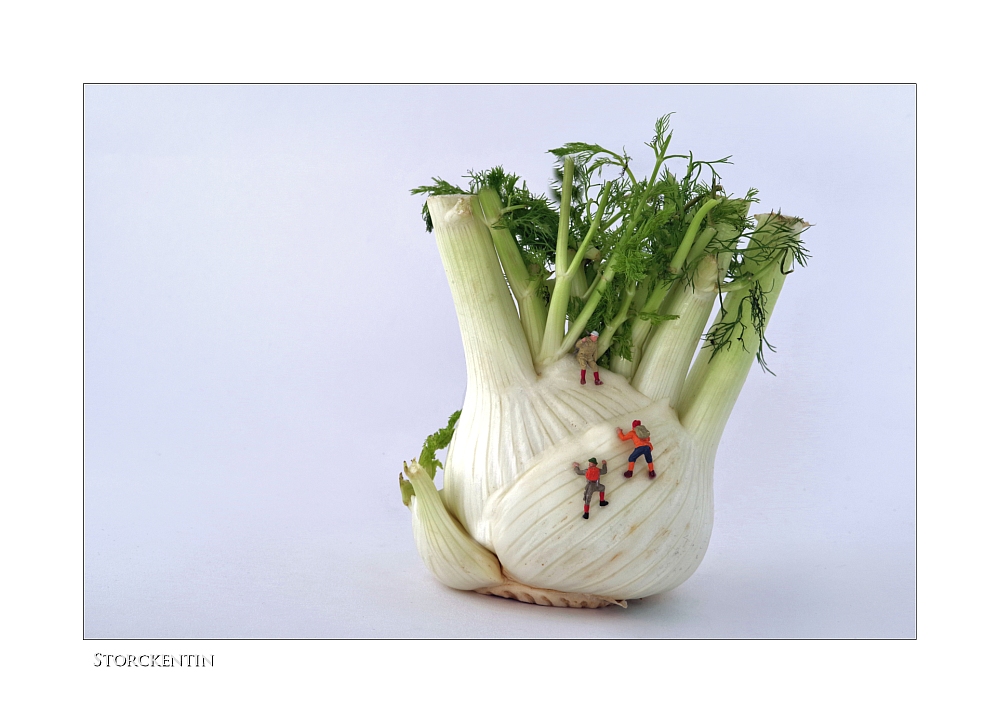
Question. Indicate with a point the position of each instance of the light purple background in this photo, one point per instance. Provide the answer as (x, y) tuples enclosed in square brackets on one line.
[(269, 334)]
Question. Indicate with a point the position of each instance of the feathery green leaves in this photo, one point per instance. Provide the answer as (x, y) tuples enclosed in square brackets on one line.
[(644, 223), (435, 442), (775, 243)]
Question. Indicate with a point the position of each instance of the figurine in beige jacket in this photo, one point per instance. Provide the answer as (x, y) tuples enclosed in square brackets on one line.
[(586, 353)]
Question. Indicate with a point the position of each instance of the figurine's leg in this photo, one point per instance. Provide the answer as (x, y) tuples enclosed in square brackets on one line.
[(587, 494), (649, 463), (604, 502), (583, 376), (631, 462), (597, 378)]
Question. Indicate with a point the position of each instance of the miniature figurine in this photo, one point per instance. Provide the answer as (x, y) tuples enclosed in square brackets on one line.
[(586, 350), (643, 447), (593, 474)]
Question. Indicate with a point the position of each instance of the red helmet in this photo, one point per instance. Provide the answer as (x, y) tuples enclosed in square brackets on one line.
[(635, 423)]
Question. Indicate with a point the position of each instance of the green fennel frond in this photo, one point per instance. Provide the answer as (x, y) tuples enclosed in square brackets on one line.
[(435, 442), (573, 307), (651, 238), (584, 152), (621, 345), (783, 245), (777, 243), (661, 139), (581, 183), (749, 313)]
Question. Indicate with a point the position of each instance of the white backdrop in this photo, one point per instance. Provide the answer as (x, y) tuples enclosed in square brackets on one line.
[(269, 334)]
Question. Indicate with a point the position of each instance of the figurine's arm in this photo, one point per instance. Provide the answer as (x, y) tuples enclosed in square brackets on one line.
[(604, 466), (621, 435), (576, 468)]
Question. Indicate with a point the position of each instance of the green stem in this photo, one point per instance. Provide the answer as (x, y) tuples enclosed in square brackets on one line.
[(747, 279), (611, 221), (595, 224), (642, 292), (565, 203), (692, 242), (510, 255), (590, 289), (651, 304), (658, 303), (677, 262), (555, 321), (578, 282), (496, 351), (667, 356), (608, 332), (588, 310), (531, 308), (711, 389), (700, 244), (642, 327)]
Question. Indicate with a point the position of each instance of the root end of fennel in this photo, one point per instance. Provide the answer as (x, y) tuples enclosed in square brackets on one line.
[(513, 590)]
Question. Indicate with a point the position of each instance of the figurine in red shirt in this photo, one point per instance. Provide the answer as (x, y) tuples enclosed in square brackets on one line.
[(593, 473), (643, 447)]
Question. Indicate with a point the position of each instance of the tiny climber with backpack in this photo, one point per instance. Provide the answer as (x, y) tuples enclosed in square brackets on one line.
[(639, 436)]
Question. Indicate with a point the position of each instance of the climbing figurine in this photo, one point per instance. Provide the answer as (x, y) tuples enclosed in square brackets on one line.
[(643, 447), (586, 354), (593, 474)]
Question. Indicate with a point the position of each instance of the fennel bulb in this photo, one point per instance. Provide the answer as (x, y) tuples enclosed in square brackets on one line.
[(641, 261)]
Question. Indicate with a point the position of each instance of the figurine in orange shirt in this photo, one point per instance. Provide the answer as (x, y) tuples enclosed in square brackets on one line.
[(643, 447)]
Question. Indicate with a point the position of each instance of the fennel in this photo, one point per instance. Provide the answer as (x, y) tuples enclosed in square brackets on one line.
[(643, 262)]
